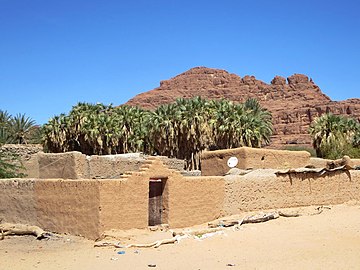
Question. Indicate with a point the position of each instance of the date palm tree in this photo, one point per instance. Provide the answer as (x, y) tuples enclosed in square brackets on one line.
[(21, 128), (5, 118), (182, 129), (162, 126), (193, 129), (55, 134), (333, 134), (188, 126), (258, 124), (97, 129), (236, 125)]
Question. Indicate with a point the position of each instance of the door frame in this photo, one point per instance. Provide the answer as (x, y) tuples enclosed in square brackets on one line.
[(163, 200)]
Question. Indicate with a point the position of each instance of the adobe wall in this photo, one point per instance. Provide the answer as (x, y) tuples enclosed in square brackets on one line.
[(355, 162), (318, 162), (31, 166), (124, 204), (68, 206), (25, 151), (28, 154), (195, 200), (69, 165), (17, 201), (113, 166), (323, 163), (75, 165), (64, 206), (264, 190), (215, 162), (89, 207), (187, 200)]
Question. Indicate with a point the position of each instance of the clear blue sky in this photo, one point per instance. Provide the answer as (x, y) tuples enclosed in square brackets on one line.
[(56, 53)]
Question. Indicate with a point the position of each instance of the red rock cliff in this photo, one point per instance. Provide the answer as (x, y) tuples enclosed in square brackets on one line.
[(294, 102)]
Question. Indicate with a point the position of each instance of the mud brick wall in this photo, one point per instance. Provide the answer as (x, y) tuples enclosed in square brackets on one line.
[(90, 207), (261, 190), (215, 162)]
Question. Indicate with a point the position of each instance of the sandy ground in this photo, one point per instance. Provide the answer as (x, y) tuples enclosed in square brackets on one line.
[(330, 240)]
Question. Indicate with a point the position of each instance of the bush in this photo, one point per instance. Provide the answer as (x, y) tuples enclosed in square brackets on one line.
[(352, 152), (10, 165), (335, 136), (301, 148)]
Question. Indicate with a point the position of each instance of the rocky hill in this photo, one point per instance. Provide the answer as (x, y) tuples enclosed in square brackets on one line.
[(294, 102)]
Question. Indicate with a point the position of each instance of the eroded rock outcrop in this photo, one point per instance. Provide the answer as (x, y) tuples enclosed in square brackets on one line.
[(294, 102)]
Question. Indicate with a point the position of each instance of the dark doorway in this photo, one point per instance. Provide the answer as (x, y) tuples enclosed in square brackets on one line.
[(155, 201)]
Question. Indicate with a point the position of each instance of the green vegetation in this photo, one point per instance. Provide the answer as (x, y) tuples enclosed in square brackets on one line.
[(182, 129), (18, 129), (335, 136), (10, 165), (301, 148)]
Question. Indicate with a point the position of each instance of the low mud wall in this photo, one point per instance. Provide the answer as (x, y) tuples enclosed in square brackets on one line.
[(24, 151), (68, 206), (263, 189), (18, 201), (186, 201), (65, 206), (324, 163), (75, 165), (318, 162), (215, 162), (90, 207), (123, 204), (355, 163), (28, 156), (70, 165), (195, 200)]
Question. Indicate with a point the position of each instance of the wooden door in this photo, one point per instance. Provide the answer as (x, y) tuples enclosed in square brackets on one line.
[(155, 202)]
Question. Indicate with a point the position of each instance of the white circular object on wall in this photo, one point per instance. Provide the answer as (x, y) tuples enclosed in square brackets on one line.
[(232, 162)]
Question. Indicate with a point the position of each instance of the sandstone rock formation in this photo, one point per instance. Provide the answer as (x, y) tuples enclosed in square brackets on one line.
[(294, 102)]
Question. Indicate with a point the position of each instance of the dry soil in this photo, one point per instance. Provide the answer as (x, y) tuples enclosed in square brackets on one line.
[(330, 240)]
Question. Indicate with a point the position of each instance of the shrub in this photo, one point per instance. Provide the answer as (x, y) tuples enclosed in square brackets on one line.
[(301, 148), (10, 165)]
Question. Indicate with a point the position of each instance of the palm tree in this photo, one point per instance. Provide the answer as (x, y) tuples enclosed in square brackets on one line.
[(4, 118), (21, 127), (138, 132), (4, 127), (188, 126), (259, 126), (182, 129), (333, 134), (236, 125), (54, 134), (193, 129), (9, 162), (97, 129), (326, 132), (224, 124), (162, 128)]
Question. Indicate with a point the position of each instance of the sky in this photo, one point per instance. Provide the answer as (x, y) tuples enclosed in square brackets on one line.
[(54, 54)]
